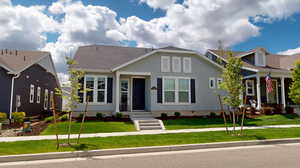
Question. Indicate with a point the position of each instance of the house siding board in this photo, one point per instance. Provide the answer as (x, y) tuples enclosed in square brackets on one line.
[(201, 71), (5, 90), (37, 76)]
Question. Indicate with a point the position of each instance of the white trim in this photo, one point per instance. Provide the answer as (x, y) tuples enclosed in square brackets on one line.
[(5, 67), (243, 55), (176, 69), (249, 76), (176, 78), (283, 92), (165, 67), (134, 73), (168, 51), (258, 94), (250, 69), (214, 82), (12, 94), (93, 70), (247, 87), (277, 97), (117, 108), (95, 89)]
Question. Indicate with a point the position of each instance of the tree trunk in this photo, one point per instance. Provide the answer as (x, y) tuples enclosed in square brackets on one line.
[(55, 124), (69, 129), (82, 121), (233, 121), (243, 117), (224, 114)]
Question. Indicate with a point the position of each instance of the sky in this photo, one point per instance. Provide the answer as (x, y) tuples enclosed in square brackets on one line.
[(61, 26)]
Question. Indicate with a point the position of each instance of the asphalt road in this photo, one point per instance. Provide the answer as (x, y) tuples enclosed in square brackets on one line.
[(268, 156)]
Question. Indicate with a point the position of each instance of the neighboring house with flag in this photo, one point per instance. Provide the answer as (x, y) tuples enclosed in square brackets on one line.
[(267, 76)]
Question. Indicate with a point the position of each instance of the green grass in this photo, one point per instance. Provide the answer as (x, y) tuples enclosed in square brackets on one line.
[(41, 146), (90, 127), (190, 123)]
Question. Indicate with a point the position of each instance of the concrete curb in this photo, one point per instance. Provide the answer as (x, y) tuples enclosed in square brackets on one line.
[(106, 152)]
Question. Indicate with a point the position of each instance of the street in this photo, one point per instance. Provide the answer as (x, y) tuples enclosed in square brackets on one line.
[(267, 156)]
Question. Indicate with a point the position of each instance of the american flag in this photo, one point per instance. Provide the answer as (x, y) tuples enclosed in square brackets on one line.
[(269, 83)]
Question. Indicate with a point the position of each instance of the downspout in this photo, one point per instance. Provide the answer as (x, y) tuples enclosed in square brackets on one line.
[(12, 93)]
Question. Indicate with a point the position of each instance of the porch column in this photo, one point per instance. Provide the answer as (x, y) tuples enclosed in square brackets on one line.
[(117, 92), (258, 95), (283, 92)]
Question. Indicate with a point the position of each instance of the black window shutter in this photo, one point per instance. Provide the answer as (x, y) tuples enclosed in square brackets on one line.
[(80, 92), (193, 91), (109, 90), (159, 90)]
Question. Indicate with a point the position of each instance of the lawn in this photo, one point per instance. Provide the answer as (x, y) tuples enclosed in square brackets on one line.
[(190, 123), (41, 146), (90, 127)]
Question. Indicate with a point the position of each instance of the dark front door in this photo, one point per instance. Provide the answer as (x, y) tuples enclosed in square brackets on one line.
[(138, 94)]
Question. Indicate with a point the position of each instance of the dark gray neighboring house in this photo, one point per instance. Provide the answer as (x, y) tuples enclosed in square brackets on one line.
[(28, 81), (162, 80)]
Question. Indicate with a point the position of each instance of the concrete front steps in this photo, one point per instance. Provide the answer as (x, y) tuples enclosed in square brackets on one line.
[(145, 121)]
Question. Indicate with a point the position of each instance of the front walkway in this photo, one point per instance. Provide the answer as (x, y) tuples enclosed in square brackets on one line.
[(148, 132)]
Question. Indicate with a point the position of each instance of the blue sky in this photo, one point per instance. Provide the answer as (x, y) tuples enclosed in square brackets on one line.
[(278, 36), (60, 26)]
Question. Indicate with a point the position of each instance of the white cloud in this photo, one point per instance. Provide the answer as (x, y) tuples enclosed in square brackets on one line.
[(24, 27), (163, 4), (63, 78), (200, 24), (290, 51), (5, 2)]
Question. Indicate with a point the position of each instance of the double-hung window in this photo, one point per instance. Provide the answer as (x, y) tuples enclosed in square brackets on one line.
[(165, 64), (176, 90), (95, 89), (31, 95), (187, 65), (46, 99), (38, 95), (212, 83), (176, 64), (250, 87)]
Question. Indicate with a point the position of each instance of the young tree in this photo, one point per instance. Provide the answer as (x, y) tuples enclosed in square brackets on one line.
[(232, 83), (295, 87), (74, 77)]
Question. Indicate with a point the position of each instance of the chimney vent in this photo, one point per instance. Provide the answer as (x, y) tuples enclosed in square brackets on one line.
[(24, 58)]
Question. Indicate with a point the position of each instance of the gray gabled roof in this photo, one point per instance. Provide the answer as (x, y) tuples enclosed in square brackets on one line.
[(17, 61), (106, 58)]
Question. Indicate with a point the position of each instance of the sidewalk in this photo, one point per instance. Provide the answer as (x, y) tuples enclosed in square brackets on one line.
[(149, 132)]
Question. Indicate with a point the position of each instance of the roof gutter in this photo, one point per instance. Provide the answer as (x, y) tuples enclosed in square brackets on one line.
[(12, 94)]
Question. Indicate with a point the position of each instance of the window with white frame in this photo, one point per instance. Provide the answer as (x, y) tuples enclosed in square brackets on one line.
[(165, 64), (250, 87), (51, 99), (46, 99), (176, 90), (31, 94), (212, 83), (176, 64), (219, 82), (96, 89), (187, 65), (38, 95)]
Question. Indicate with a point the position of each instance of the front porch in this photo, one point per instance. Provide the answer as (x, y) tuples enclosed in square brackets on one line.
[(256, 93)]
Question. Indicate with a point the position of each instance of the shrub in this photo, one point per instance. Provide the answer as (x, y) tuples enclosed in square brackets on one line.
[(64, 117), (49, 119), (177, 114), (119, 115), (212, 114), (99, 116), (18, 117), (3, 117), (163, 115)]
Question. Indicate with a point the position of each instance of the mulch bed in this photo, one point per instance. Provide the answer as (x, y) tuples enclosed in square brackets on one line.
[(17, 130)]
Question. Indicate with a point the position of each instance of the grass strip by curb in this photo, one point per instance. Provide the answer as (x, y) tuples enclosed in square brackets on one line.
[(42, 146)]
